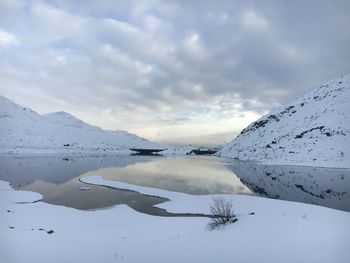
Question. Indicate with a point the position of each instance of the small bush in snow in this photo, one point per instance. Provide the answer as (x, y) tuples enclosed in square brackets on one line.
[(221, 213)]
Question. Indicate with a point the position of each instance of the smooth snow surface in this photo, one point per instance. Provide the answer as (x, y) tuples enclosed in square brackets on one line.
[(278, 231), (25, 131), (313, 130)]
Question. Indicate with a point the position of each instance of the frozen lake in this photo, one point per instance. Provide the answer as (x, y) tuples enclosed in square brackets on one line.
[(57, 179)]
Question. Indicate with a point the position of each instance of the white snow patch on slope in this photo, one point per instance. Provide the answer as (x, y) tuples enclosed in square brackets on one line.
[(311, 130), (25, 131)]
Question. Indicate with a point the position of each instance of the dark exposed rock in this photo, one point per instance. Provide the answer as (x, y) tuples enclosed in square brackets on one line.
[(255, 125), (310, 130), (273, 117)]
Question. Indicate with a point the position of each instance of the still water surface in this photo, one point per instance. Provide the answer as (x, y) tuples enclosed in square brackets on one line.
[(57, 179)]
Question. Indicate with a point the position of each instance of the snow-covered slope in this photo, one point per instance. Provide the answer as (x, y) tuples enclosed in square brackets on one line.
[(311, 130), (25, 131)]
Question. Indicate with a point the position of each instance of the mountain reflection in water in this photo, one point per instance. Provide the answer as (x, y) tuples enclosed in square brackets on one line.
[(328, 187), (57, 179)]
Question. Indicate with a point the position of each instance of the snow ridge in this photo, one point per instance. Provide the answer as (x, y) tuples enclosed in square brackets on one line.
[(22, 130), (311, 130)]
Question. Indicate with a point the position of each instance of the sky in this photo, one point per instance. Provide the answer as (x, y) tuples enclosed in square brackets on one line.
[(171, 71)]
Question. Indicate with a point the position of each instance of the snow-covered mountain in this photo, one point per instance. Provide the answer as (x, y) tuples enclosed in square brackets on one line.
[(311, 130), (25, 131)]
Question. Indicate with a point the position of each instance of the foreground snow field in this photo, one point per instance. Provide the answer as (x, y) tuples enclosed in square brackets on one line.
[(278, 231), (312, 130)]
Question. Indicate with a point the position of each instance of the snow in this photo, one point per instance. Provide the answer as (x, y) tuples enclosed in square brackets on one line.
[(179, 150), (23, 131), (19, 197), (312, 130), (279, 231)]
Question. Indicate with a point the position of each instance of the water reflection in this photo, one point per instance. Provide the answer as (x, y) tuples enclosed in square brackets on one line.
[(197, 175), (57, 179), (328, 187), (22, 171)]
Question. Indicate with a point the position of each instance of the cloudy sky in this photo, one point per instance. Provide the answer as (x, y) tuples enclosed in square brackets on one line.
[(172, 71)]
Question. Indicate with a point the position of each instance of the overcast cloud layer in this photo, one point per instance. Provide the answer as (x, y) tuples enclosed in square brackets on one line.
[(168, 70)]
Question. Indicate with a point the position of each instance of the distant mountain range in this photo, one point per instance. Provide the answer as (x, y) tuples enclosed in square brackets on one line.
[(311, 130), (22, 130)]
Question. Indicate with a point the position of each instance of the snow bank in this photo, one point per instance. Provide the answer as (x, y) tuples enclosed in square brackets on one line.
[(123, 234), (313, 130), (278, 232)]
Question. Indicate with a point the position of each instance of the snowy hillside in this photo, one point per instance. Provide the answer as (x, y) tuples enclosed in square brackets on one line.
[(25, 131), (311, 130)]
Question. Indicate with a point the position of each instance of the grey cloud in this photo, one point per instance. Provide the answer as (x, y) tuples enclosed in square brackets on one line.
[(164, 57)]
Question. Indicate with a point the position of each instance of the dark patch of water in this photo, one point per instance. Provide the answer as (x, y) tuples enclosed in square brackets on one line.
[(329, 187)]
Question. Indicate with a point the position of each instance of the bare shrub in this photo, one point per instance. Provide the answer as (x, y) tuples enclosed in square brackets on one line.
[(221, 213)]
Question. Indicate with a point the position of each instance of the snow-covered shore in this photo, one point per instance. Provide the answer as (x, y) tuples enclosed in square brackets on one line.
[(278, 231), (313, 130)]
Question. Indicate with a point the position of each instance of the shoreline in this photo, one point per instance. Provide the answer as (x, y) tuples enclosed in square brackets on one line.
[(137, 237)]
